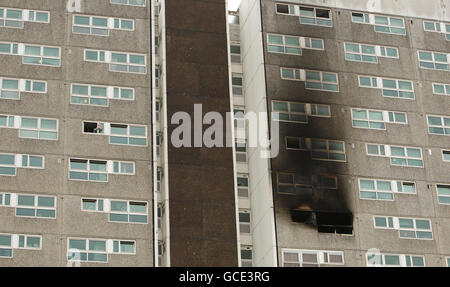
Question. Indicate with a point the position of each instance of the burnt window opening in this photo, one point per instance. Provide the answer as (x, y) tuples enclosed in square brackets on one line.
[(283, 8), (321, 13), (93, 127), (336, 223), (295, 143)]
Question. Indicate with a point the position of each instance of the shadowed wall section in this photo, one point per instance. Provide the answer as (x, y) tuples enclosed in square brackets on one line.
[(201, 184)]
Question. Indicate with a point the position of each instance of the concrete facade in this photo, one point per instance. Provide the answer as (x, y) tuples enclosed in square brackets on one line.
[(53, 180)]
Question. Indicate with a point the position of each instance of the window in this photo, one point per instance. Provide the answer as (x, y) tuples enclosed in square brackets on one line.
[(39, 16), (90, 250), (242, 185), (36, 206), (11, 18), (368, 81), (439, 125), (311, 258), (141, 3), (124, 168), (159, 175), (445, 154), (329, 150), (37, 128), (236, 81), (6, 121), (373, 119), (378, 189), (235, 51), (441, 89), (9, 89), (392, 25), (32, 161), (118, 62), (91, 170), (293, 45), (128, 135), (289, 111), (360, 53), (233, 19), (123, 24), (241, 152), (9, 48), (29, 242), (93, 127), (399, 156), (6, 250), (92, 205), (284, 44), (90, 25), (322, 81), (130, 63), (375, 189), (246, 256), (437, 27), (415, 228), (128, 211), (98, 95), (398, 89), (157, 109), (434, 60), (42, 55), (315, 16), (5, 199), (292, 184), (7, 165), (285, 9), (448, 261), (244, 221), (443, 192), (360, 18), (295, 143), (389, 52), (394, 260), (406, 156)]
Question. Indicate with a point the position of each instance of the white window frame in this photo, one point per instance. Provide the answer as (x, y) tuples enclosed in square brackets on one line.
[(25, 242), (385, 118), (294, 7), (446, 89), (444, 151), (402, 260), (88, 171), (328, 151), (97, 205), (120, 172), (389, 25), (39, 129), (41, 56), (442, 126), (323, 257), (128, 64), (128, 212), (128, 3), (315, 16), (36, 207), (128, 136), (12, 47), (433, 61), (445, 185)]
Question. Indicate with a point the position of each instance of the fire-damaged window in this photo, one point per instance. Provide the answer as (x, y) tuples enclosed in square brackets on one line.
[(316, 200)]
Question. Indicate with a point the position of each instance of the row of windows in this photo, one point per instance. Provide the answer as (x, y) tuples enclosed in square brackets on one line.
[(293, 45), (15, 18), (409, 228), (36, 206), (119, 134), (122, 211), (368, 53), (33, 54), (98, 170), (97, 95), (97, 250), (328, 81), (321, 149), (30, 127), (118, 61), (317, 258), (381, 189), (100, 26), (399, 155), (10, 88), (298, 112), (9, 242), (51, 56), (10, 162), (314, 80), (381, 23), (375, 119)]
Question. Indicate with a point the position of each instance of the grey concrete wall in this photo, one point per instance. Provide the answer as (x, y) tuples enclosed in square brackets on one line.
[(53, 180), (424, 203)]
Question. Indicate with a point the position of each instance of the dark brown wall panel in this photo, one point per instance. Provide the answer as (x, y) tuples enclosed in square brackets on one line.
[(201, 185)]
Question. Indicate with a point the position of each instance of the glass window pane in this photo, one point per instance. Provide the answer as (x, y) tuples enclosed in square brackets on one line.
[(95, 245), (26, 200)]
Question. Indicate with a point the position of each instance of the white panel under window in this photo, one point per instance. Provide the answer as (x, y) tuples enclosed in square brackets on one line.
[(107, 56), (106, 205), (387, 150)]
